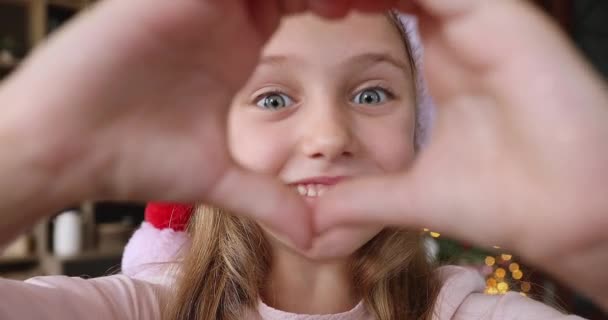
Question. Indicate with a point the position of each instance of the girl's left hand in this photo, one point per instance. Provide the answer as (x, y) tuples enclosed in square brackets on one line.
[(518, 156)]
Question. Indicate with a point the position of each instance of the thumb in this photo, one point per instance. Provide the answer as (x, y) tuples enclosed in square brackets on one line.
[(389, 200), (265, 199), (439, 8)]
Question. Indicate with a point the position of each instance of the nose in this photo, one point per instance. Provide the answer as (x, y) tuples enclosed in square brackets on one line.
[(327, 134)]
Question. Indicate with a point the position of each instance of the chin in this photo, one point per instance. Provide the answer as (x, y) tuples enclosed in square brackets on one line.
[(338, 244)]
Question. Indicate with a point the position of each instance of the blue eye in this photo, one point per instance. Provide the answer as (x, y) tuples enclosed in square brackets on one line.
[(372, 96), (274, 101)]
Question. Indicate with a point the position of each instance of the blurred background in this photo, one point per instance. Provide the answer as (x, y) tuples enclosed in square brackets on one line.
[(88, 239)]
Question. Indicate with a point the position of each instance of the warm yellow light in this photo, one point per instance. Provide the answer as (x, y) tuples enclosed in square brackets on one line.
[(513, 267), (500, 273), (491, 290), (502, 287), (491, 282), (517, 274), (425, 230), (506, 257), (525, 286), (490, 261), (435, 234)]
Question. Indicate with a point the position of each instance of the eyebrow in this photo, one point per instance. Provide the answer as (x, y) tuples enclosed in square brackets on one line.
[(378, 57), (365, 59), (274, 60)]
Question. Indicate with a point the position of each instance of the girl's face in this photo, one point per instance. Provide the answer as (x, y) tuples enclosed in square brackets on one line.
[(329, 101)]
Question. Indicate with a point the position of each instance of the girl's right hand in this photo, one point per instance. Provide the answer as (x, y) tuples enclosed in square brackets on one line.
[(129, 102)]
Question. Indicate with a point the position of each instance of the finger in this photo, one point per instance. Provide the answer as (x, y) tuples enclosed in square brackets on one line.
[(410, 202), (267, 15), (332, 9), (406, 6), (374, 5), (440, 8), (388, 200), (290, 7), (264, 199)]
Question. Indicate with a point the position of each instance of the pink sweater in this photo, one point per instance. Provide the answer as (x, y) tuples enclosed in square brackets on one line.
[(124, 297)]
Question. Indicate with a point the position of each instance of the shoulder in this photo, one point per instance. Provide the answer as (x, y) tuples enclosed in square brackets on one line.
[(461, 297), (457, 284), (112, 297), (120, 285), (508, 306)]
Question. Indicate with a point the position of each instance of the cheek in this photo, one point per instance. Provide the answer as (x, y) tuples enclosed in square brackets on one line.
[(390, 144), (257, 147)]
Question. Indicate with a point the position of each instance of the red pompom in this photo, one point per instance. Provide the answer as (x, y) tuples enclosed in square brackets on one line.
[(168, 215)]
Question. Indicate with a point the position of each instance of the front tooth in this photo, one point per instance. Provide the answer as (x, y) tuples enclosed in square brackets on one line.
[(302, 190), (312, 192)]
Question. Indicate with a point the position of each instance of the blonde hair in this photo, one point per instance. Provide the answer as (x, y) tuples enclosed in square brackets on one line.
[(221, 276)]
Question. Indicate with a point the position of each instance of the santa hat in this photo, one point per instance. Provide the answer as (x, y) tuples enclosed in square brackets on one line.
[(162, 235), (158, 240), (168, 215)]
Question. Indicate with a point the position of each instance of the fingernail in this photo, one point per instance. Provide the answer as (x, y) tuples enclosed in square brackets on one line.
[(327, 9)]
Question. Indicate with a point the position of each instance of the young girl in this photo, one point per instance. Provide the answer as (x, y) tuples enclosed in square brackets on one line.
[(328, 102)]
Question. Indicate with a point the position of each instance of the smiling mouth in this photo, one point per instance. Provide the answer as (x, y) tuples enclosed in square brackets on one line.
[(315, 187), (311, 190)]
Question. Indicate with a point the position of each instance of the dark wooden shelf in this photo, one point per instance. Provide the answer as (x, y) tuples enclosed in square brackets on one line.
[(8, 66), (88, 255), (72, 4), (10, 261), (89, 263)]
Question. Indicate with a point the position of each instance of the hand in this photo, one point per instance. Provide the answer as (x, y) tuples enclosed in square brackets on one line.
[(130, 104), (518, 156)]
